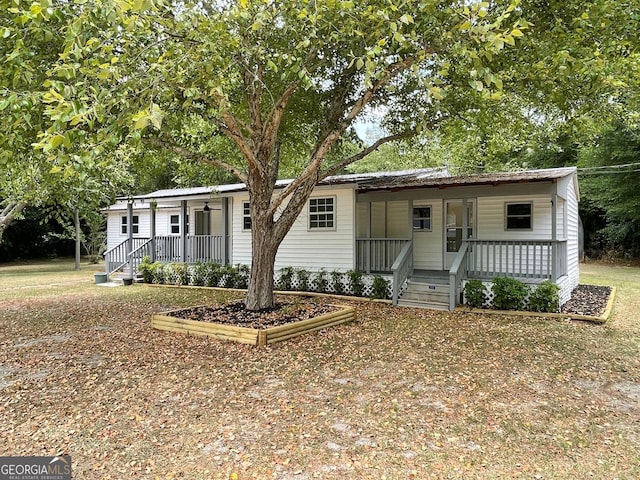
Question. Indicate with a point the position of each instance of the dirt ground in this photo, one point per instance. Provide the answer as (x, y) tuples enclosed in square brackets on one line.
[(400, 393)]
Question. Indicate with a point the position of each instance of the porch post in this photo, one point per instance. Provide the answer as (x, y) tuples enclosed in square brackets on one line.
[(554, 238), (152, 229), (465, 220), (183, 231), (225, 232), (367, 262), (129, 248), (410, 231)]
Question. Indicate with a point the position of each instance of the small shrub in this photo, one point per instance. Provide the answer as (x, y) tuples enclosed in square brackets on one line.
[(199, 274), (303, 280), (179, 273), (241, 276), (336, 280), (321, 283), (285, 282), (356, 285), (228, 276), (545, 298), (475, 293), (212, 274), (145, 268), (509, 293), (380, 288), (151, 272), (158, 273)]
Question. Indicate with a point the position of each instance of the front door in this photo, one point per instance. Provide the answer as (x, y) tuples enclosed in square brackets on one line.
[(459, 218), (203, 220)]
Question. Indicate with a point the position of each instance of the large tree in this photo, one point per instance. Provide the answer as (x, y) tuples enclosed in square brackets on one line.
[(254, 87), (274, 80)]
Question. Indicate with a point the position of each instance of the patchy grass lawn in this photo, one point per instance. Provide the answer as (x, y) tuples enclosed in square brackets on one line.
[(401, 393)]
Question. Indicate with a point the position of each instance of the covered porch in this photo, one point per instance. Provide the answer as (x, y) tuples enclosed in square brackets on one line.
[(206, 240), (451, 240)]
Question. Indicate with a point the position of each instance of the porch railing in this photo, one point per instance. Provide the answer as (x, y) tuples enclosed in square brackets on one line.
[(402, 269), (378, 254), (199, 248), (533, 259), (168, 248), (205, 248), (117, 257)]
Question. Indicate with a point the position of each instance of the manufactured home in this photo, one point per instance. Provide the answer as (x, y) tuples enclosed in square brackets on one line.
[(427, 230)]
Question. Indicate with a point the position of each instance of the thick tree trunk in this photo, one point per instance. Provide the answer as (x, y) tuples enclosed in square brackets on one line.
[(263, 257)]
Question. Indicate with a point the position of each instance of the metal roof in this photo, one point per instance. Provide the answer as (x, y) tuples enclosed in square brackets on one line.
[(443, 179), (398, 180)]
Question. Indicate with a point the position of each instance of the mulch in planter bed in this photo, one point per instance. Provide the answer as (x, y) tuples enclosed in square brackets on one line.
[(235, 314), (588, 300)]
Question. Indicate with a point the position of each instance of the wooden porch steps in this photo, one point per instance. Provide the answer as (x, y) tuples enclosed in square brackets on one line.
[(426, 291)]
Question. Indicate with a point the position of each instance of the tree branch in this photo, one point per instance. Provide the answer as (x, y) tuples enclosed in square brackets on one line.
[(312, 170), (334, 169), (9, 213), (230, 127), (253, 87), (270, 130), (186, 153)]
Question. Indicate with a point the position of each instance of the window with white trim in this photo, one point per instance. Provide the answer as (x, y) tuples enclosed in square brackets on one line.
[(174, 220), (135, 224), (422, 218), (519, 216), (322, 213), (246, 216)]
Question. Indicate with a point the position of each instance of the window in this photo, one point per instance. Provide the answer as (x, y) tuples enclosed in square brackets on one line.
[(422, 218), (175, 223), (135, 225), (322, 213), (246, 216), (519, 216)]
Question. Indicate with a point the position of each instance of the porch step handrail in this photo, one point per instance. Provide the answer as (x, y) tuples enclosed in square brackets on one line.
[(402, 268), (116, 257), (457, 273), (135, 257)]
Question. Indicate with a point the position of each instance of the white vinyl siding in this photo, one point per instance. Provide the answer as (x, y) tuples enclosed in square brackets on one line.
[(114, 226), (491, 218), (398, 219), (362, 216), (114, 234), (378, 223), (428, 245), (573, 265), (302, 248), (388, 219)]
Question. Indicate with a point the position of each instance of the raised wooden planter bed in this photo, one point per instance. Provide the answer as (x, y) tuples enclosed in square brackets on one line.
[(251, 336)]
